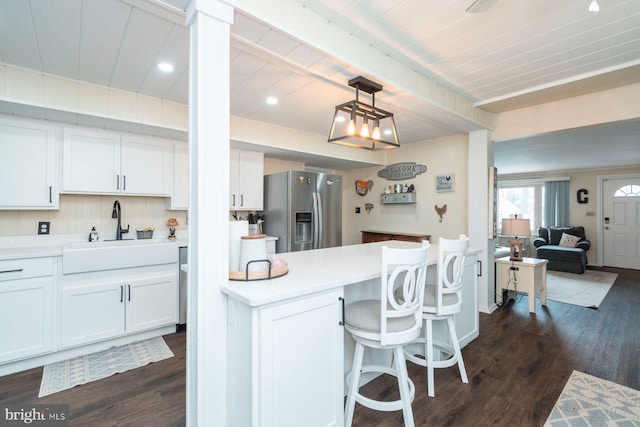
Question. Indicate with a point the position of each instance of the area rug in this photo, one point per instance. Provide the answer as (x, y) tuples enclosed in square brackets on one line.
[(83, 369), (590, 401), (587, 289)]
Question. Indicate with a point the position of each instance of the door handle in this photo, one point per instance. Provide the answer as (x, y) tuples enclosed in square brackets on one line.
[(479, 268), (129, 298), (121, 293), (341, 323)]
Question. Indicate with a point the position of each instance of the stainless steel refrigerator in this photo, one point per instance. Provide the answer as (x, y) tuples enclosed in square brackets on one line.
[(303, 209)]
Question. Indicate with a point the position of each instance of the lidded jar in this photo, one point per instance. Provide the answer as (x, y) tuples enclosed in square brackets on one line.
[(253, 248)]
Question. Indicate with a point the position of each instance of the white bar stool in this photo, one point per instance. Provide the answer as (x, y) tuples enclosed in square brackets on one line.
[(389, 323), (441, 302)]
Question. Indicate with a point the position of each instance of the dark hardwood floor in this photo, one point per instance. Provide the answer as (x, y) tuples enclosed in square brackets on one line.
[(517, 368)]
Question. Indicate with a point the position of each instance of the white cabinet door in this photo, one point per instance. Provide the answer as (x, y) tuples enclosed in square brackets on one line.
[(234, 170), (91, 162), (152, 302), (26, 313), (251, 180), (180, 196), (300, 361), (468, 320), (91, 313), (28, 173), (147, 168), (246, 180), (102, 162)]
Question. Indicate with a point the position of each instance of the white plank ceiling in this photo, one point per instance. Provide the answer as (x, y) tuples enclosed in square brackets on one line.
[(518, 53)]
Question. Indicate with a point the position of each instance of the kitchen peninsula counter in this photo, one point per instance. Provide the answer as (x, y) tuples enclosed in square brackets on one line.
[(287, 350), (319, 270)]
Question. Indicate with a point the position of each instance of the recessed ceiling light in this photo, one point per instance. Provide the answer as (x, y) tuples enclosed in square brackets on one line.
[(272, 100), (165, 66)]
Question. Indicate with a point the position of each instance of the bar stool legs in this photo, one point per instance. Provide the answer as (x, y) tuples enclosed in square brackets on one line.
[(407, 389)]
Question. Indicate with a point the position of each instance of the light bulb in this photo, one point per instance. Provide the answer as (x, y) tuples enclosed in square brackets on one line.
[(364, 131), (352, 127), (376, 130), (593, 7)]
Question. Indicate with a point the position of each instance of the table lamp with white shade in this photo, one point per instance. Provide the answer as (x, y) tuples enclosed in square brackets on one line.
[(516, 227)]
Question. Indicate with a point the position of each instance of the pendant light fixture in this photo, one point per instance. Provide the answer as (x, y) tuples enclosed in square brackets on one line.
[(352, 120)]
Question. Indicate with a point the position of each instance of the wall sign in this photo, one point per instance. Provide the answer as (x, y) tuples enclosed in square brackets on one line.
[(581, 196), (444, 182), (399, 171)]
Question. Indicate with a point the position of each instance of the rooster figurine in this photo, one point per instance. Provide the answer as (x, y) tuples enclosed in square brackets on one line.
[(441, 211)]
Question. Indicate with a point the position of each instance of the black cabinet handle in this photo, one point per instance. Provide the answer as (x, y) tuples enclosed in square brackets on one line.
[(11, 271), (117, 182), (234, 200), (241, 200), (50, 198), (124, 182), (129, 286), (341, 323), (121, 293), (480, 268)]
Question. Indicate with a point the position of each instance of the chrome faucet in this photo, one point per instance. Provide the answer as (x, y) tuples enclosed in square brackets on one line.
[(116, 213)]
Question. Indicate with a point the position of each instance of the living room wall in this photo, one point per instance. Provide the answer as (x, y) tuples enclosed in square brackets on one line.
[(582, 214), (447, 155)]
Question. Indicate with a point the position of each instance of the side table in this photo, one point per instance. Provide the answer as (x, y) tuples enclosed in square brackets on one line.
[(527, 276)]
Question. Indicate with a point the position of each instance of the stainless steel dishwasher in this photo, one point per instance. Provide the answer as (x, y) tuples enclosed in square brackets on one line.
[(182, 296)]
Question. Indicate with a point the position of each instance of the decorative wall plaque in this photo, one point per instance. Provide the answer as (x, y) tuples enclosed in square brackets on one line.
[(444, 182), (399, 171)]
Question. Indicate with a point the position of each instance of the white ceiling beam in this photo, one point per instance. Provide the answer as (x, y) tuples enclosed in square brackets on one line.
[(295, 20)]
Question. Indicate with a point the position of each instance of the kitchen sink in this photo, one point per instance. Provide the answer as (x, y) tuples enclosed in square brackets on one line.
[(83, 257)]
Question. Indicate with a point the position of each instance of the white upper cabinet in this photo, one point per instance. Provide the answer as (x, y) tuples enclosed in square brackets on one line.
[(28, 173), (247, 180), (147, 167), (102, 162), (180, 195)]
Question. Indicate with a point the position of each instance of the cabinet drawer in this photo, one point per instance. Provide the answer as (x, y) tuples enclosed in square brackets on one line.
[(15, 269)]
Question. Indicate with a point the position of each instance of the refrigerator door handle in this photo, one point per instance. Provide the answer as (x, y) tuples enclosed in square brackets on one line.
[(316, 220), (320, 221)]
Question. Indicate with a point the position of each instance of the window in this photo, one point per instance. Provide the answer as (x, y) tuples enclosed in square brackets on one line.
[(628, 191), (524, 199)]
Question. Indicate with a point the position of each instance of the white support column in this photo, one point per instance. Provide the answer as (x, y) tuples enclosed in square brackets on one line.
[(209, 22), (480, 159)]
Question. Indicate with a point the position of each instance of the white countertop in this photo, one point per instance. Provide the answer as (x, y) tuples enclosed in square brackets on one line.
[(44, 246), (320, 270)]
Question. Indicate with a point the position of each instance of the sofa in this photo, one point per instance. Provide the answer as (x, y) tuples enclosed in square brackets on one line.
[(565, 248)]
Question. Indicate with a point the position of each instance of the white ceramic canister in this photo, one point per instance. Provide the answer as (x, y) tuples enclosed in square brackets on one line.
[(253, 248), (237, 229)]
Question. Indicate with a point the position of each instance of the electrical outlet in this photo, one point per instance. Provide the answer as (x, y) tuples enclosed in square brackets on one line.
[(358, 209), (44, 227), (514, 268)]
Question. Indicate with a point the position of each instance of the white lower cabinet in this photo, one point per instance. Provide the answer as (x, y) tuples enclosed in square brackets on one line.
[(468, 320), (27, 308), (95, 312), (286, 364)]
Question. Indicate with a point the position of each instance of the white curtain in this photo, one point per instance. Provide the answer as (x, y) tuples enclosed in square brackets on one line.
[(556, 203)]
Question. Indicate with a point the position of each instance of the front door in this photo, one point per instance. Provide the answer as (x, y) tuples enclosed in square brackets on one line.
[(621, 222)]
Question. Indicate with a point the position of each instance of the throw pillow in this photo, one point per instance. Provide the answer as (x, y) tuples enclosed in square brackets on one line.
[(568, 241)]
